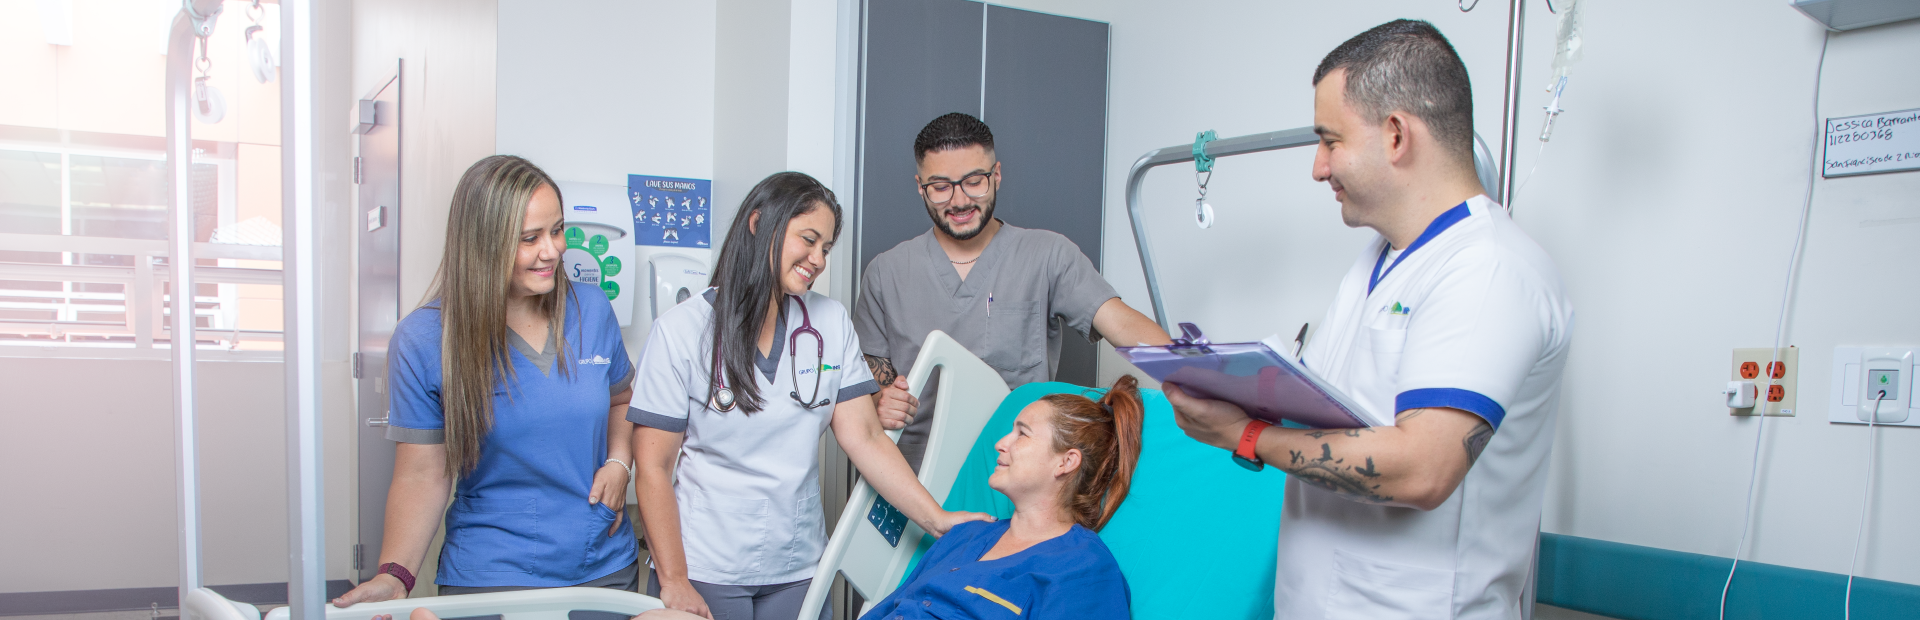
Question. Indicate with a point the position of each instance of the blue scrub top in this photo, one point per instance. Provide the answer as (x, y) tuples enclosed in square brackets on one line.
[(1068, 576), (522, 517)]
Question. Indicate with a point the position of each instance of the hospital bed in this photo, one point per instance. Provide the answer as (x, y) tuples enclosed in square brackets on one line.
[(1195, 537)]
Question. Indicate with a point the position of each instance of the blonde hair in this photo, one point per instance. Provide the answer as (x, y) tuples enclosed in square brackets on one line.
[(472, 286)]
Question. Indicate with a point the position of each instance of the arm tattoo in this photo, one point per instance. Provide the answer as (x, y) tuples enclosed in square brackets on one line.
[(1476, 441), (883, 371), (1351, 481)]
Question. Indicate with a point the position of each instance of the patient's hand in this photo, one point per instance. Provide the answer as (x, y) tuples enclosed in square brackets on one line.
[(896, 405), (940, 523)]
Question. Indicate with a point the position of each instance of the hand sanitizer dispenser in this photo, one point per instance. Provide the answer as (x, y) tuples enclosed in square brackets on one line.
[(675, 278), (599, 243)]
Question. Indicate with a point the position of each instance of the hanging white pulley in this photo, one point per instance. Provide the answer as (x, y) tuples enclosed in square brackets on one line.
[(1202, 210), (259, 53), (209, 106)]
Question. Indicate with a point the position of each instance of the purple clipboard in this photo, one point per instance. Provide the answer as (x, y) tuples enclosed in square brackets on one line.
[(1254, 375)]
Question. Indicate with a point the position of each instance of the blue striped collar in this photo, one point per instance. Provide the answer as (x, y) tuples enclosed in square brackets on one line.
[(1439, 225)]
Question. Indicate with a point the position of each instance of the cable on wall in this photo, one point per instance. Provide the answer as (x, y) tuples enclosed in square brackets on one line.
[(1780, 326), (1866, 499)]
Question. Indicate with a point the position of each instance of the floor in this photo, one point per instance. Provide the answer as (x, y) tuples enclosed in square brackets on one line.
[(1540, 612)]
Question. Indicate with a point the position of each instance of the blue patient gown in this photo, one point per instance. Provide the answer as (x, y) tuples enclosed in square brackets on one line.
[(1068, 576)]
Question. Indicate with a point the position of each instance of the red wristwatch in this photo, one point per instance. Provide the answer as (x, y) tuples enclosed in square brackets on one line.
[(398, 572), (1246, 455)]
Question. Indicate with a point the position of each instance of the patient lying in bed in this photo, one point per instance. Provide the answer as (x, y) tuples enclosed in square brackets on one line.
[(1066, 467)]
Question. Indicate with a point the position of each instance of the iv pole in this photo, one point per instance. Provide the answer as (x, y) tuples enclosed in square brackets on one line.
[(306, 575), (306, 514), (1510, 105), (195, 20)]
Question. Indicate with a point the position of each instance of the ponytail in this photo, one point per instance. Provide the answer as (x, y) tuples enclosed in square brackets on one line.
[(1107, 434)]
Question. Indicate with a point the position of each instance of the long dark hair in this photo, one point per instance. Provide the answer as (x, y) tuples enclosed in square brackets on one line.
[(1107, 434), (748, 276), (471, 286)]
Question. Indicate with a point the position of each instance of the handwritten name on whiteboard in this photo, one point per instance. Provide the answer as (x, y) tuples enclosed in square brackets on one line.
[(1871, 143)]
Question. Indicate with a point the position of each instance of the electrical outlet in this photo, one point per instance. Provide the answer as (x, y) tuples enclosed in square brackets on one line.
[(1778, 380)]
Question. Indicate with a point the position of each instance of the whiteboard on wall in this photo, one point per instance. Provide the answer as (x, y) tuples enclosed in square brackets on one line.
[(1872, 143)]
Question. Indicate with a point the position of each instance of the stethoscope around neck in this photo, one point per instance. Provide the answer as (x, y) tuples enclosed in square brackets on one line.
[(723, 397)]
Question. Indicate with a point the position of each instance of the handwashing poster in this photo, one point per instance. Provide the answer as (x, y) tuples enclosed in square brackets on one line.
[(670, 212)]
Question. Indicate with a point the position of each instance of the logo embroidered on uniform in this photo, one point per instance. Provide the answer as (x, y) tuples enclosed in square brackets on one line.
[(1399, 309), (596, 360), (823, 368)]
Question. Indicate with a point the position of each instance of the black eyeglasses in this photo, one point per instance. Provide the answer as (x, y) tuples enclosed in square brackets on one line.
[(975, 185)]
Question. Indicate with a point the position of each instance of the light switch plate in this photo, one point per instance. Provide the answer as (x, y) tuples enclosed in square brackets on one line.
[(1843, 392), (1779, 386)]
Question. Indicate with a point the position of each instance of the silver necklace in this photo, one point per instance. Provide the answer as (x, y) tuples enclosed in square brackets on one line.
[(963, 262)]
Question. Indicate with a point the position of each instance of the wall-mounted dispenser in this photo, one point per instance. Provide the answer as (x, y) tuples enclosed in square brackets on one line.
[(672, 220), (599, 243), (673, 278)]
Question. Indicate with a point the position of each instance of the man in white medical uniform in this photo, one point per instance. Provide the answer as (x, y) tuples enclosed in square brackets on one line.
[(1454, 320)]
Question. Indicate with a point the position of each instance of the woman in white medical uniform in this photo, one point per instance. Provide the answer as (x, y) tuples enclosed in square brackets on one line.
[(536, 435), (736, 387)]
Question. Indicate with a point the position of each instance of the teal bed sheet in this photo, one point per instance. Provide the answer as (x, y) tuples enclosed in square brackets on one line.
[(1197, 533)]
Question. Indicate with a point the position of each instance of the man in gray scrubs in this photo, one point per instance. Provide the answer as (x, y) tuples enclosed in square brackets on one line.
[(1004, 292)]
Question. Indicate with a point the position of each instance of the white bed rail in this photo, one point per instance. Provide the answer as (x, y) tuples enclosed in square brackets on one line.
[(542, 604), (968, 394)]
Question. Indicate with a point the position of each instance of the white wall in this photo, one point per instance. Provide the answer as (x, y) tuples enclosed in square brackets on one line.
[(1668, 198), (90, 489), (593, 91), (784, 94), (749, 106)]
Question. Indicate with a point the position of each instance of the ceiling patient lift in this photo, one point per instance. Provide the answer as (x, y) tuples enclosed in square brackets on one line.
[(1206, 148)]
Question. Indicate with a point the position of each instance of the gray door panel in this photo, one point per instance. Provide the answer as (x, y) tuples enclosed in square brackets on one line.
[(378, 287), (1046, 99), (1045, 95), (923, 60)]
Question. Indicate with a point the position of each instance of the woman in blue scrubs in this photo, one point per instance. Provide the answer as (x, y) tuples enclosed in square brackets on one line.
[(1066, 466), (515, 383)]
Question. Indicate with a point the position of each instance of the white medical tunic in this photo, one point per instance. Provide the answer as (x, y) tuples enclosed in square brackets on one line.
[(748, 485), (1470, 316)]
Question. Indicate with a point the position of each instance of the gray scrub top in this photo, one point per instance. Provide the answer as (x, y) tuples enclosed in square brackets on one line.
[(1009, 311)]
